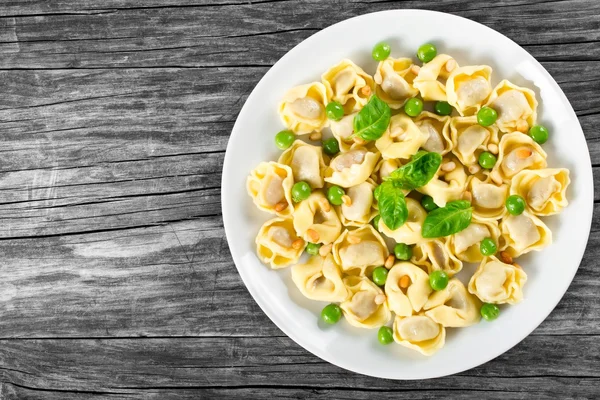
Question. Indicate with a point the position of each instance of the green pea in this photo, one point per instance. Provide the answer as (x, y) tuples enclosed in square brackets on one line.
[(300, 191), (489, 312), (284, 139), (486, 116), (334, 195), (380, 275), (539, 134), (413, 107), (331, 146), (313, 249), (375, 222), (331, 313), (438, 280), (515, 204), (426, 52), (487, 160), (428, 203), (385, 335), (442, 108), (402, 251), (334, 111), (381, 51), (488, 247)]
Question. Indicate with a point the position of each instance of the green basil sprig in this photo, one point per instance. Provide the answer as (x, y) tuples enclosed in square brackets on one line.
[(448, 220), (371, 122), (416, 173), (392, 205)]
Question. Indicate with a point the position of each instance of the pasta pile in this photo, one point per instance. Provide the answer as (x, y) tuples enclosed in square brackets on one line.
[(389, 163)]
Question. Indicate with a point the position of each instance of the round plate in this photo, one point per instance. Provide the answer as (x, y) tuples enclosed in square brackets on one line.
[(549, 272)]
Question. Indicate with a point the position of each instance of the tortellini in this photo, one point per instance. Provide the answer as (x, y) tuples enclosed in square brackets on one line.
[(361, 209), (453, 307), (446, 185), (394, 79), (497, 282), (515, 106), (469, 139), (430, 77), (352, 167), (410, 232), (310, 216), (437, 129), (306, 162), (436, 255), (402, 139), (419, 332), (362, 308), (524, 233), (544, 190), (517, 152), (360, 248), (468, 88), (342, 131), (346, 83), (465, 244), (487, 198), (320, 279), (407, 288), (275, 243), (384, 168), (303, 108), (270, 186)]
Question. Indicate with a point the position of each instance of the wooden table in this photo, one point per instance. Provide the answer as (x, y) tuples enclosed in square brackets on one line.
[(117, 280)]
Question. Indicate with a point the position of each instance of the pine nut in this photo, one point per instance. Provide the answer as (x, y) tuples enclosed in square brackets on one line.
[(473, 169), (495, 175), (314, 235), (524, 153), (324, 250), (365, 90), (353, 239), (522, 126), (467, 196), (448, 167), (493, 148), (505, 257), (359, 140), (450, 65), (279, 207), (415, 69), (347, 200), (380, 299), (389, 262), (404, 282), (325, 206), (315, 136), (297, 244)]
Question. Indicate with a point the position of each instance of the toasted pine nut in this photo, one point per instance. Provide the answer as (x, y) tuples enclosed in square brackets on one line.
[(467, 196), (389, 262), (473, 169), (353, 239), (496, 177), (314, 235), (324, 250), (404, 282), (397, 132), (493, 148), (359, 140), (448, 167), (365, 90), (347, 200), (380, 299), (297, 244), (279, 207), (522, 126), (505, 257), (450, 65), (524, 153), (315, 136), (415, 69), (325, 206)]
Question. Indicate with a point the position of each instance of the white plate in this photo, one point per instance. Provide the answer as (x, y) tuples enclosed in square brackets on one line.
[(549, 272)]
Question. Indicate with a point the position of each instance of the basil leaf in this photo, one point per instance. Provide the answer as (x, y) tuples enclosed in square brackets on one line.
[(448, 220), (392, 206), (416, 173), (372, 120)]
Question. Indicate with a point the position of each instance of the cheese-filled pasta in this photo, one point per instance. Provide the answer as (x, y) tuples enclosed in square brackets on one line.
[(468, 88), (447, 185), (431, 79), (488, 198), (453, 307), (394, 78), (524, 233), (407, 288), (314, 223), (365, 306), (469, 139), (360, 210), (420, 333), (436, 255), (517, 152), (497, 282), (349, 85), (342, 131), (360, 248), (410, 232), (437, 128), (516, 107), (306, 162), (303, 108), (465, 244), (352, 167), (544, 190), (277, 244), (270, 185), (402, 139), (320, 279)]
